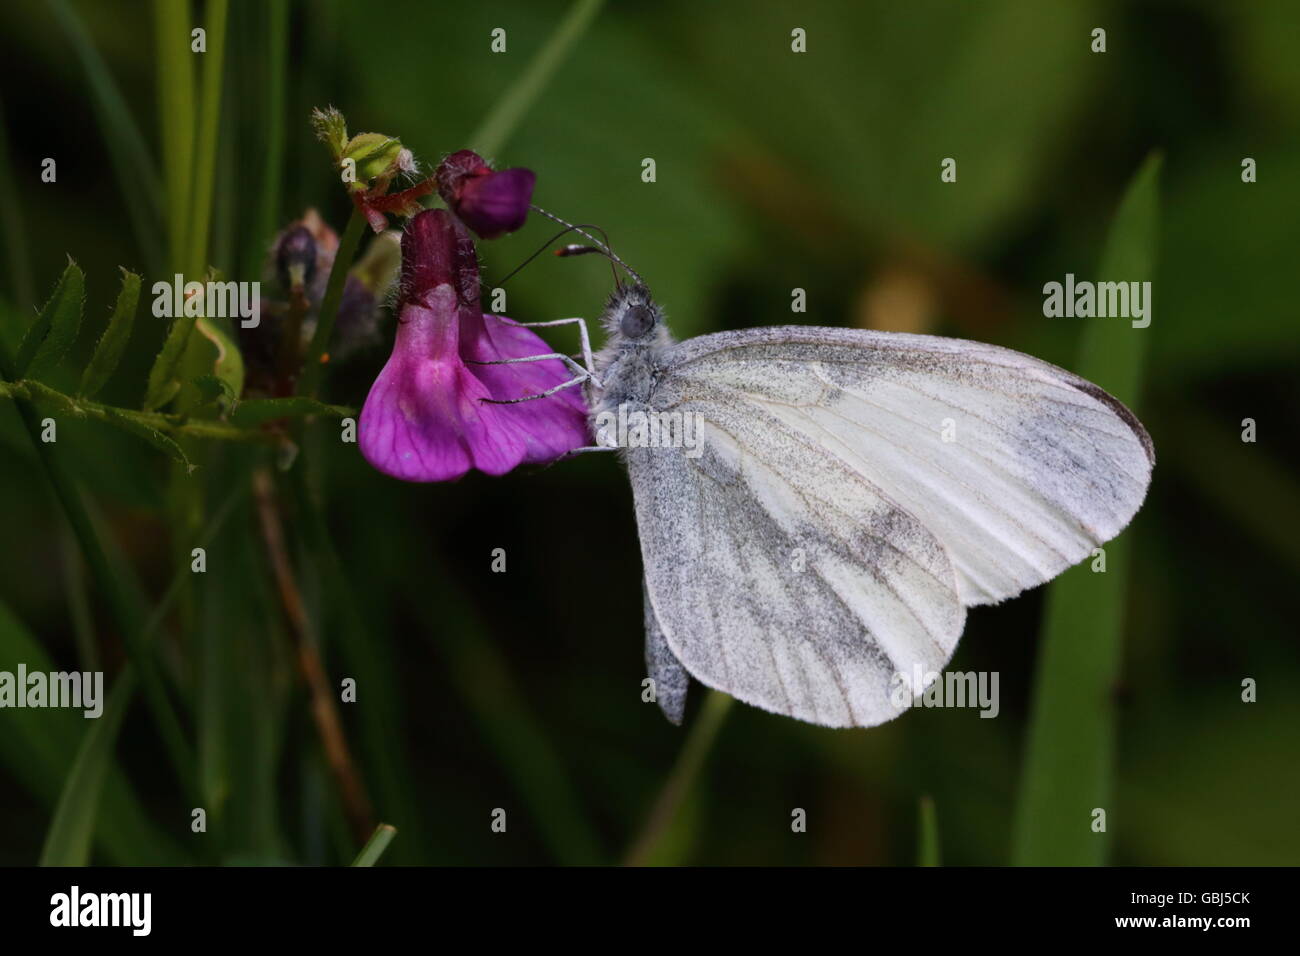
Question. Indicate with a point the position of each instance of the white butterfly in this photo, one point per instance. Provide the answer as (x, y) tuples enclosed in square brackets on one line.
[(849, 495)]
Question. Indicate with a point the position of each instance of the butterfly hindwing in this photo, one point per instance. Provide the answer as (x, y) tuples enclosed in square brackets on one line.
[(781, 576)]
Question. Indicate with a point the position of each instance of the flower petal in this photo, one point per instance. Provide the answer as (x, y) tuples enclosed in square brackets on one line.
[(550, 427), (497, 203), (424, 419)]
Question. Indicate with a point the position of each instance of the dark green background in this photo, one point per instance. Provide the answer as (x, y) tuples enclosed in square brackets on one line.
[(775, 170)]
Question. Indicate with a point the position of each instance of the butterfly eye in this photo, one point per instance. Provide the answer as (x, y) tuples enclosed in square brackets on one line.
[(636, 321)]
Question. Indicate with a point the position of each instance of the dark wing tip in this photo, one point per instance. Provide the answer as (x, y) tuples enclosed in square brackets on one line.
[(1120, 409)]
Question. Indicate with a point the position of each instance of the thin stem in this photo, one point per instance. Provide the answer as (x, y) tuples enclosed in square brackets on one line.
[(679, 782), (210, 122), (174, 425), (323, 710), (376, 845), (496, 128), (329, 309)]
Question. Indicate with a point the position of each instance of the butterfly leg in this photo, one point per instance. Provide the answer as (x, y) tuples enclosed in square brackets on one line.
[(583, 375), (583, 337)]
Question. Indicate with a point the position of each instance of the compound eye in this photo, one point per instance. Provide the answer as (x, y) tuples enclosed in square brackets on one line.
[(636, 321)]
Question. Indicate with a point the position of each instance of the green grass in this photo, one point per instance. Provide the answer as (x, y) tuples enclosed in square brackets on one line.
[(1069, 762)]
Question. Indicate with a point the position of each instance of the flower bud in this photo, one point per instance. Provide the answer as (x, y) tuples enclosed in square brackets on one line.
[(490, 203)]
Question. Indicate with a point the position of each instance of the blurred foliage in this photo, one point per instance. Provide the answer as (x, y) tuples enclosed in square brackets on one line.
[(774, 170)]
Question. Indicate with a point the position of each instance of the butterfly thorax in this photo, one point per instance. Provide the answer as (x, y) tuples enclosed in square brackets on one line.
[(629, 362)]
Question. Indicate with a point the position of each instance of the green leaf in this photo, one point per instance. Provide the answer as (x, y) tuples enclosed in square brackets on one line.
[(54, 331), (113, 342), (255, 411), (1069, 772), (67, 842), (164, 381)]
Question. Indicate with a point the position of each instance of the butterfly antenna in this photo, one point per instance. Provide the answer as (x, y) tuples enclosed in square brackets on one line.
[(546, 245), (602, 247)]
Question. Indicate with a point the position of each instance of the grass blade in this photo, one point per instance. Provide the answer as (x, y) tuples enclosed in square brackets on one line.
[(113, 342), (928, 837), (38, 746), (206, 145), (176, 110), (1068, 772), (137, 176), (662, 815), (67, 842), (497, 126), (268, 211), (376, 845)]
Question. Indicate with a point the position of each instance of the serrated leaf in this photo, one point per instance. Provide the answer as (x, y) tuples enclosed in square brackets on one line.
[(55, 329), (128, 422), (258, 410), (113, 342), (163, 381)]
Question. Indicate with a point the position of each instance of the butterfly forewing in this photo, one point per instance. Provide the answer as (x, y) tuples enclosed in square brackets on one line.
[(1019, 468)]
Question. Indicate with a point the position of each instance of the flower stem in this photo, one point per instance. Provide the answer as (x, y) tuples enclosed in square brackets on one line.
[(329, 308), (323, 710)]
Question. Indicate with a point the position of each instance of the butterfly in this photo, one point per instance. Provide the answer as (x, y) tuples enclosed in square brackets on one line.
[(846, 496)]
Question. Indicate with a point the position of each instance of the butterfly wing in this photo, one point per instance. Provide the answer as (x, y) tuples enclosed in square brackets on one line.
[(855, 491), (1019, 467), (671, 681), (779, 574)]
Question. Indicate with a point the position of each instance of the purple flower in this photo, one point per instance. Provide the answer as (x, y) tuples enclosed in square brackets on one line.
[(425, 418), (490, 203)]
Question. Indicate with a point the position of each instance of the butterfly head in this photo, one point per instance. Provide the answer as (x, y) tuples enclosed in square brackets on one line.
[(632, 315)]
